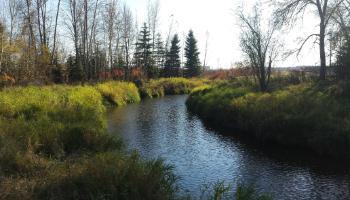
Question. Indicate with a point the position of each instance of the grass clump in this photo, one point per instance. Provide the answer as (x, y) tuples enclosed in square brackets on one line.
[(222, 191), (119, 93), (169, 86), (313, 116)]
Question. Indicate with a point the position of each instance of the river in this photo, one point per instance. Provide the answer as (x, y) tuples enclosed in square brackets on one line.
[(201, 156)]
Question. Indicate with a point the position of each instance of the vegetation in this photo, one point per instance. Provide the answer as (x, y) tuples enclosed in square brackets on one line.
[(259, 46), (54, 145), (173, 62), (193, 66), (169, 86), (313, 116), (220, 191), (119, 93)]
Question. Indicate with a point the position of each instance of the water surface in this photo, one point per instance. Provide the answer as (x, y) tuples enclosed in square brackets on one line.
[(163, 128)]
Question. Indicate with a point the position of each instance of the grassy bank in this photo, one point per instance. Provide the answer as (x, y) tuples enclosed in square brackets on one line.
[(314, 116), (169, 86), (54, 145)]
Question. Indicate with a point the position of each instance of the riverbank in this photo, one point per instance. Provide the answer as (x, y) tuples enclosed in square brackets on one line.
[(54, 145), (311, 116)]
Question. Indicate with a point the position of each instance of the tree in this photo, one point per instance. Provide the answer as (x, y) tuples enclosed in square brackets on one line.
[(159, 53), (53, 54), (143, 54), (111, 28), (343, 61), (127, 37), (192, 66), (289, 11), (75, 73), (153, 19), (173, 63), (259, 46)]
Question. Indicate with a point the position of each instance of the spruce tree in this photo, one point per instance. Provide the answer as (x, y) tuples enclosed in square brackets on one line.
[(143, 53), (173, 63), (192, 67), (159, 52)]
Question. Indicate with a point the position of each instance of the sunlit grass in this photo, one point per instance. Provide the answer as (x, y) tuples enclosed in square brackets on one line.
[(170, 86)]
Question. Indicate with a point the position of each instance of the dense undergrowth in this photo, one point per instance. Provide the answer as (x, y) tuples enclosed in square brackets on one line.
[(311, 115)]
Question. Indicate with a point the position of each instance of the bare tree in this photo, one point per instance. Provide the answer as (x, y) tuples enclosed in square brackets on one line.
[(127, 37), (53, 52), (289, 11), (74, 15), (259, 46), (111, 27), (153, 19), (13, 8), (206, 48)]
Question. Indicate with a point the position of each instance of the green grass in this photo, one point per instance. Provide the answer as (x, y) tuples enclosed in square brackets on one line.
[(314, 116), (54, 145), (119, 93), (169, 86)]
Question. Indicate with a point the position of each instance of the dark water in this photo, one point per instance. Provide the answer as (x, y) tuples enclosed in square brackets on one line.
[(164, 128)]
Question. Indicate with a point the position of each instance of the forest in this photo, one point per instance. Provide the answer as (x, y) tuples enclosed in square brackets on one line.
[(105, 43)]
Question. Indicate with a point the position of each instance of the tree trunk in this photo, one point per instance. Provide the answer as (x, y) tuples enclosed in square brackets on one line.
[(53, 56), (322, 52)]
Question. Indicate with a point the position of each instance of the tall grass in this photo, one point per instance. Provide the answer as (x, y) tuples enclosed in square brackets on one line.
[(119, 93), (169, 86), (54, 145), (311, 115)]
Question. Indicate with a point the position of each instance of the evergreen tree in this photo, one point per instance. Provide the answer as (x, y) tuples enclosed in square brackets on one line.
[(343, 61), (143, 53), (75, 73), (159, 52), (192, 67), (173, 63)]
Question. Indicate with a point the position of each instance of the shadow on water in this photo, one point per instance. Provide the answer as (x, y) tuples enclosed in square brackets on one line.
[(201, 155)]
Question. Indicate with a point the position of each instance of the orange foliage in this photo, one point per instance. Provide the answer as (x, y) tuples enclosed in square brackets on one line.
[(114, 74), (6, 80), (136, 73)]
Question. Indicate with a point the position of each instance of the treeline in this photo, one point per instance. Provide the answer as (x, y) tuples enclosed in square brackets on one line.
[(55, 41)]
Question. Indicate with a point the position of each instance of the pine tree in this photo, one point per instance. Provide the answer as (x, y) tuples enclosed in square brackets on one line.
[(74, 70), (173, 63), (192, 67), (143, 53), (159, 52)]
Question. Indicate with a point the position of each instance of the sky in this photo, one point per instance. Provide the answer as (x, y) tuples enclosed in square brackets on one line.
[(219, 19)]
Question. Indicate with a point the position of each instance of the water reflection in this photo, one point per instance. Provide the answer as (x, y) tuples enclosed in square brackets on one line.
[(163, 128)]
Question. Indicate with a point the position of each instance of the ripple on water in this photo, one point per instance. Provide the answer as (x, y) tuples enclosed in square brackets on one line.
[(164, 128)]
